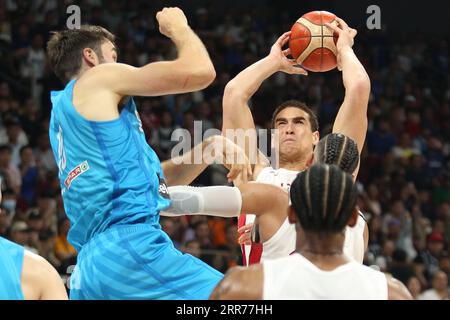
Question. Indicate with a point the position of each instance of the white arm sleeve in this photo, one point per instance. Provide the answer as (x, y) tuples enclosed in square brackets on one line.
[(219, 201)]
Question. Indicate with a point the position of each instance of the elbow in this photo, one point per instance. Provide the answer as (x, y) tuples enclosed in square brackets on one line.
[(233, 94), (202, 77), (192, 77), (208, 75), (360, 86)]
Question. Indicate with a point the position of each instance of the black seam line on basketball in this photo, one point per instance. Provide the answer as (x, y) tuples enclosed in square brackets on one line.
[(321, 47), (302, 37)]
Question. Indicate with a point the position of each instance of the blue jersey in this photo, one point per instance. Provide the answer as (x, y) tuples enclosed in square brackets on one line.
[(108, 173), (11, 262)]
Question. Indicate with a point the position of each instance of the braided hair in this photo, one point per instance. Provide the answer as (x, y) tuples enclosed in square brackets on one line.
[(338, 149), (323, 198)]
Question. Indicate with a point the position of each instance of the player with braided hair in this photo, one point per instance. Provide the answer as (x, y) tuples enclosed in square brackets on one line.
[(334, 148), (323, 202)]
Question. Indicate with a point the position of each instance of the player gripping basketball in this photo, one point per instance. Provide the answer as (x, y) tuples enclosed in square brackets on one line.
[(296, 123)]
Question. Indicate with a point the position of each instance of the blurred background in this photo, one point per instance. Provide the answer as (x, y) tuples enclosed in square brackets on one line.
[(404, 180)]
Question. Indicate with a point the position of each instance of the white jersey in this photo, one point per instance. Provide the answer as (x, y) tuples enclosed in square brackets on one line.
[(283, 242), (354, 239), (296, 278)]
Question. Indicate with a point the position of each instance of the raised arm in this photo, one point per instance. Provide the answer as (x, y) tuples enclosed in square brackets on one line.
[(191, 71), (236, 112), (351, 119)]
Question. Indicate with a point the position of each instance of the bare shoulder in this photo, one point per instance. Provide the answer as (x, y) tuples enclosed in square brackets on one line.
[(40, 280), (397, 290), (240, 283)]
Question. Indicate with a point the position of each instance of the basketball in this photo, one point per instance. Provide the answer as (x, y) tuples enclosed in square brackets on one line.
[(313, 44)]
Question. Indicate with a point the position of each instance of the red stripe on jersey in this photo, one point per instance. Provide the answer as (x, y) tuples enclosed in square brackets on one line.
[(255, 253), (241, 223)]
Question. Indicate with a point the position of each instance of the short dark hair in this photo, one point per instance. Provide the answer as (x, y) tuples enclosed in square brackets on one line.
[(65, 48), (338, 149), (300, 105), (5, 147), (323, 198)]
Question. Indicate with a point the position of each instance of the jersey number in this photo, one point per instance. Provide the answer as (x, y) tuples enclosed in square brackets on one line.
[(61, 153)]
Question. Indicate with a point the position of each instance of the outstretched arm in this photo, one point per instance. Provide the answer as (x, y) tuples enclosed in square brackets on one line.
[(222, 201), (182, 170), (351, 119), (236, 112)]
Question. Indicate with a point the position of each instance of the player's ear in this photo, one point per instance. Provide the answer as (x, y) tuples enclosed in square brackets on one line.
[(292, 216), (353, 217), (89, 56), (316, 137)]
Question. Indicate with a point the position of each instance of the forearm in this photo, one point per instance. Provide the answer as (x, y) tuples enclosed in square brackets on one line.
[(248, 81), (193, 57), (351, 119), (354, 75), (219, 201), (182, 170)]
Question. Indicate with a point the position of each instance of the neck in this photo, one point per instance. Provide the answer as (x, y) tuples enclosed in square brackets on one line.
[(298, 164), (314, 244)]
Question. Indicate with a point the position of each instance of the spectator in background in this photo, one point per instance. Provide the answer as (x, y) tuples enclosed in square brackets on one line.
[(9, 170), (63, 249), (161, 137), (414, 287), (439, 289), (20, 234), (401, 268), (430, 257), (43, 153), (29, 174), (203, 236), (16, 139)]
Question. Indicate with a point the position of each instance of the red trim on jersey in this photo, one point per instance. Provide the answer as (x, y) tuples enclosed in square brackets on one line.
[(241, 223), (255, 253)]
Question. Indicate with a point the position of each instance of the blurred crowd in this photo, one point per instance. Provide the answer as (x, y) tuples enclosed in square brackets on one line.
[(403, 183)]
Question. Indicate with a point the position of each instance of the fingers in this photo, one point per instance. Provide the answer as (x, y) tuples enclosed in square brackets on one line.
[(245, 239), (299, 70), (234, 171), (287, 52), (333, 27), (247, 228), (342, 23), (281, 41)]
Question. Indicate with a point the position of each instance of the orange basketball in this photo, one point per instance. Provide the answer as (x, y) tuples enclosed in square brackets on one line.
[(312, 43)]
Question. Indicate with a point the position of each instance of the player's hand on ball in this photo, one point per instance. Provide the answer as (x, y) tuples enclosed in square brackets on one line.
[(285, 64), (345, 34), (170, 21), (346, 37)]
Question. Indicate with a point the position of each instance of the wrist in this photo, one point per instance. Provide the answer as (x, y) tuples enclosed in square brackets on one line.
[(179, 33), (273, 63), (344, 49)]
